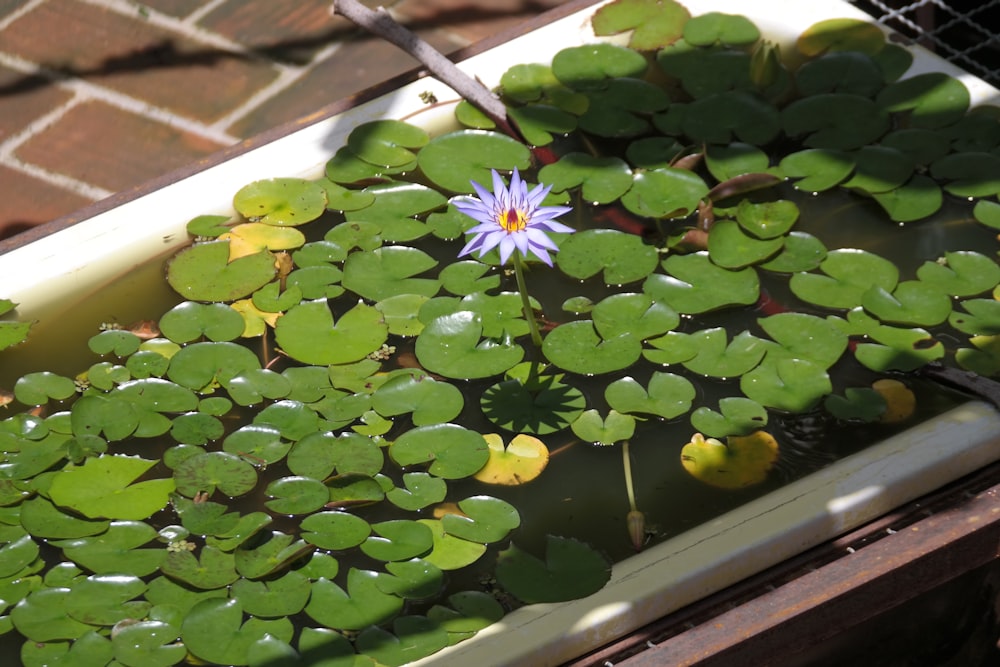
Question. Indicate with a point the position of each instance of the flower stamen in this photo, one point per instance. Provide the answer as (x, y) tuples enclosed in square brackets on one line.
[(514, 220)]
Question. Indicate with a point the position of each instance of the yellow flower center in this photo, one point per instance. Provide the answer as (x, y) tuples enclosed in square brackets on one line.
[(513, 220)]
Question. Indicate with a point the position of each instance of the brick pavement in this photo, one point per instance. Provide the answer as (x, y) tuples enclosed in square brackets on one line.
[(98, 96)]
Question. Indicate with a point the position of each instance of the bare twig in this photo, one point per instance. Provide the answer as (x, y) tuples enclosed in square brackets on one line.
[(972, 383), (380, 23)]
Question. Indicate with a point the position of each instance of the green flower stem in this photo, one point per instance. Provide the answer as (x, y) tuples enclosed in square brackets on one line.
[(529, 313)]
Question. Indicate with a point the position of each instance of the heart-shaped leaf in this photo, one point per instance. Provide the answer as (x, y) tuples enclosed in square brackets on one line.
[(309, 333), (571, 570), (103, 488), (667, 395)]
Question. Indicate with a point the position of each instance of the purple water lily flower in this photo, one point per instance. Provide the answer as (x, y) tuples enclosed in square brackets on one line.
[(512, 218)]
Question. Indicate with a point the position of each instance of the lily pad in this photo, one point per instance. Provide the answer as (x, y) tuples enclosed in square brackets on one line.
[(335, 530), (718, 28), (743, 461), (214, 630), (484, 519), (912, 303), (430, 402), (421, 490), (412, 638), (736, 416), (982, 317), (918, 198), (398, 540), (309, 333), (930, 100), (603, 180), (386, 143), (591, 427), (732, 248), (716, 358), (962, 273), (665, 193), (361, 605), (388, 271), (621, 258), (655, 23), (666, 396), (538, 406), (452, 345), (203, 272), (791, 385), (571, 570), (591, 66), (848, 274), (209, 471), (103, 488), (520, 461), (696, 285), (817, 169), (835, 121), (450, 552), (452, 160), (577, 347), (451, 451), (281, 201), (857, 404)]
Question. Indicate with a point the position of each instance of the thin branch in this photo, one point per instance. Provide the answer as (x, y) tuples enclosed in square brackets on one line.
[(380, 23), (972, 383)]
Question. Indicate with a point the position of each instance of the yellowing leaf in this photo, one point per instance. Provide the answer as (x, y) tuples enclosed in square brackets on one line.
[(255, 320), (521, 461), (742, 462), (900, 401), (252, 237)]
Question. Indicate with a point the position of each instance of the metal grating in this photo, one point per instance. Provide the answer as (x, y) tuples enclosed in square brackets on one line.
[(964, 32)]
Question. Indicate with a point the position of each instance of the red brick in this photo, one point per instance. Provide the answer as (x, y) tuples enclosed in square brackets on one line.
[(292, 32), (27, 201), (130, 55), (23, 98), (472, 19), (113, 149), (355, 66)]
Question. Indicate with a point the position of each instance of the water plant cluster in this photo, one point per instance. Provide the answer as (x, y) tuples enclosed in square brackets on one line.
[(302, 461)]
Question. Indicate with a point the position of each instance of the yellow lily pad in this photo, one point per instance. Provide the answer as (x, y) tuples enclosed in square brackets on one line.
[(255, 320), (743, 461), (252, 237), (521, 461), (900, 402)]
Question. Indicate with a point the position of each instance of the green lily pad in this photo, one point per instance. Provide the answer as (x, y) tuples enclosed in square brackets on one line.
[(41, 617), (603, 180), (591, 427), (451, 345), (591, 66), (252, 386), (971, 174), (718, 28), (421, 490), (309, 333), (851, 72), (732, 248), (789, 384), (198, 365), (401, 312), (268, 552), (102, 599), (118, 549), (861, 404), (296, 495), (696, 285), (335, 530), (388, 271), (666, 396), (485, 519), (539, 406), (817, 169), (451, 451), (203, 272), (468, 612), (577, 347), (736, 416), (469, 277), (898, 349), (538, 123), (982, 317), (147, 643), (983, 358), (716, 358), (962, 273), (412, 638), (281, 201), (38, 388), (732, 115), (214, 630), (835, 121), (655, 23), (930, 100), (103, 488), (879, 169), (621, 108), (622, 258), (635, 314), (918, 198), (430, 402), (386, 143), (452, 160), (317, 455), (571, 570), (361, 605), (211, 568), (394, 207), (766, 220), (43, 519), (806, 337), (257, 443), (665, 193), (209, 471), (398, 540), (12, 333), (912, 303), (847, 275), (736, 159)]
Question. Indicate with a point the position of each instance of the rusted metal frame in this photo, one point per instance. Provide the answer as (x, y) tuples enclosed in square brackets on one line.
[(283, 130), (798, 615), (752, 588)]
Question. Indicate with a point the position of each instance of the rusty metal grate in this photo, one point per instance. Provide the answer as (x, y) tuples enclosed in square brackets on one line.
[(964, 32)]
